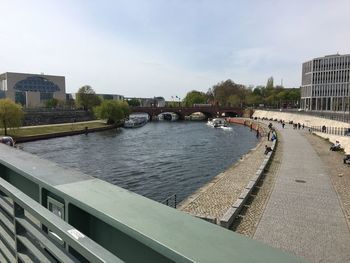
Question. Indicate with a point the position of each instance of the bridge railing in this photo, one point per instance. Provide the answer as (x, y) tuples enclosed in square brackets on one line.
[(31, 233), (102, 222)]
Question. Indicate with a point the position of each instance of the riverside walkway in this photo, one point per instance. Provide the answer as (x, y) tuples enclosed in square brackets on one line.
[(303, 215)]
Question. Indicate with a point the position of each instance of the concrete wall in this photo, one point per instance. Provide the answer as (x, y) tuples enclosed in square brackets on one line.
[(302, 119), (55, 116)]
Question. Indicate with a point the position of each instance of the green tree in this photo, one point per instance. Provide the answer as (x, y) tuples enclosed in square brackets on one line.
[(86, 98), (269, 84), (194, 97), (223, 90), (11, 114), (234, 101), (134, 102), (51, 103), (112, 110)]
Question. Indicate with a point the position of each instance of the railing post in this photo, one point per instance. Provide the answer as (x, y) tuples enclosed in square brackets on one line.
[(175, 200), (18, 211)]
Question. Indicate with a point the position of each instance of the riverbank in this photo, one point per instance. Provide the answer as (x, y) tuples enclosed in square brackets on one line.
[(41, 132), (213, 200)]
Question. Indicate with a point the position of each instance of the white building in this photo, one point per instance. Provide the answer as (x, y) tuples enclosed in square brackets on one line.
[(32, 90), (326, 83)]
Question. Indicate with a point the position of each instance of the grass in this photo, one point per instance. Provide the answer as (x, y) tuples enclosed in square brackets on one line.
[(49, 129)]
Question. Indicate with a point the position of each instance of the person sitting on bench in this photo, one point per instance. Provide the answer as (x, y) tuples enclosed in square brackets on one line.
[(267, 149), (336, 146), (346, 158)]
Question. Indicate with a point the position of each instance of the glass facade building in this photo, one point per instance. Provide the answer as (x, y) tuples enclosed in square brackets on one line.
[(326, 83), (32, 90)]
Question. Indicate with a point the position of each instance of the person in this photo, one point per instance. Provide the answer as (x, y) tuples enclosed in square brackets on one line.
[(273, 137), (267, 149), (268, 135), (283, 124), (335, 147), (303, 126), (324, 128), (346, 158), (257, 133), (8, 141)]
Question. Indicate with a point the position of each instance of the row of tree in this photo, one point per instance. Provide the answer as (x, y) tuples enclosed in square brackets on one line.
[(11, 114), (229, 93)]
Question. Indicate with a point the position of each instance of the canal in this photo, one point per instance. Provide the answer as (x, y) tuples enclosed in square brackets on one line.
[(156, 160)]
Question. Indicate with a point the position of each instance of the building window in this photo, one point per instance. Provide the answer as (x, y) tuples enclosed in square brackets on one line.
[(44, 96), (20, 98), (36, 84)]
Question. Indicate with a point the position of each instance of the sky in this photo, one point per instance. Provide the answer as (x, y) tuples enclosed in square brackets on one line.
[(169, 47)]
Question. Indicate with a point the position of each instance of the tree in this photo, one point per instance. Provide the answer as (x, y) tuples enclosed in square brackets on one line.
[(51, 103), (87, 98), (112, 110), (11, 114), (269, 84), (194, 97), (234, 101), (134, 102), (223, 90)]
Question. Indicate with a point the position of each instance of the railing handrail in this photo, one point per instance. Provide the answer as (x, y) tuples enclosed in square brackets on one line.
[(82, 244)]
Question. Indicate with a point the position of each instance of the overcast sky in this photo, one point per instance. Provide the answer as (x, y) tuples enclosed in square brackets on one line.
[(168, 47)]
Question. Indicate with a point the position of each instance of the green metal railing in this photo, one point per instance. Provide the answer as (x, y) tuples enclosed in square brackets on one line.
[(54, 214), (25, 228)]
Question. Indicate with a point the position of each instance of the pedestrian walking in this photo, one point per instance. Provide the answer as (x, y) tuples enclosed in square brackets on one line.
[(257, 133)]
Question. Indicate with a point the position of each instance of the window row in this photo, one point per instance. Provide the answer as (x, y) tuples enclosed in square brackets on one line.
[(331, 63), (331, 77), (331, 90)]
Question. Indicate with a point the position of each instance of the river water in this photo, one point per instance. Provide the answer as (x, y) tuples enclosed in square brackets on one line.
[(156, 160)]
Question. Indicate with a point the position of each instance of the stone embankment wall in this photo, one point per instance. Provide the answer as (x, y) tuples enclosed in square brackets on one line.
[(311, 121), (46, 116), (307, 120), (220, 200)]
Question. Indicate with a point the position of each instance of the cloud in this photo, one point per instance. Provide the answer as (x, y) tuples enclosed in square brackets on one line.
[(166, 48)]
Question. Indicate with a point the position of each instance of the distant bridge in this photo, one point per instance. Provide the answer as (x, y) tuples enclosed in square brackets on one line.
[(208, 111)]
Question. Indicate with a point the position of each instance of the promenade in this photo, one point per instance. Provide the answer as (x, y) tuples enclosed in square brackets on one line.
[(303, 214)]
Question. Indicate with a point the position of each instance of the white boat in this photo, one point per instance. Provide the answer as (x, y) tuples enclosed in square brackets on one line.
[(217, 122), (135, 122)]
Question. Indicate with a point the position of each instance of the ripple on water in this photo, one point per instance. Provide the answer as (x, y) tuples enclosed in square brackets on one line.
[(156, 160)]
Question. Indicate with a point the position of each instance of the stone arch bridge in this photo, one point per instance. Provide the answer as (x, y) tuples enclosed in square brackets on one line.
[(208, 111)]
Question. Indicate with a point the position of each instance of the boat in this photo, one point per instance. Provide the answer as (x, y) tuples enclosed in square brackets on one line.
[(7, 140), (135, 122), (217, 122)]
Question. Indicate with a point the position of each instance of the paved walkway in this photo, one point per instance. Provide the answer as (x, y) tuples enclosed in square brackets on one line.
[(303, 215)]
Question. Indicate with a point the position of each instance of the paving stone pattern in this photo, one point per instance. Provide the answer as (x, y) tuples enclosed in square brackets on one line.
[(304, 217), (249, 218)]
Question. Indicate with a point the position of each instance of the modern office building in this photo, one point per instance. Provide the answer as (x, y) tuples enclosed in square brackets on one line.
[(32, 90), (111, 96), (326, 83), (150, 102)]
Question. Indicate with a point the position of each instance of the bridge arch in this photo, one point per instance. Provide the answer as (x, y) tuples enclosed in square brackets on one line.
[(230, 114)]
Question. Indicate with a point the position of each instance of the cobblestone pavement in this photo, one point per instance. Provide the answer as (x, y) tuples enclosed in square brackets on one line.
[(339, 172), (251, 215), (303, 214), (215, 198)]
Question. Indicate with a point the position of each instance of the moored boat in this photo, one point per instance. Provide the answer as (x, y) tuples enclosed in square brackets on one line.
[(135, 122)]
